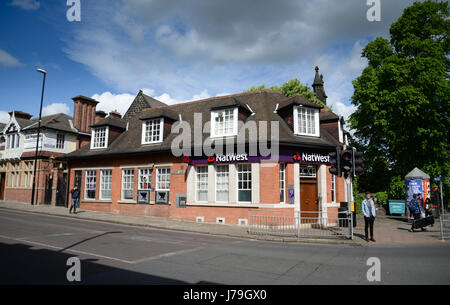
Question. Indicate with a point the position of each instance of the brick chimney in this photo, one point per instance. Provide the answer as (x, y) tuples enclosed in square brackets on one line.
[(84, 113), (20, 114), (99, 115)]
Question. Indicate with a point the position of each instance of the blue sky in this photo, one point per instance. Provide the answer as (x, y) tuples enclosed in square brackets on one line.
[(180, 50)]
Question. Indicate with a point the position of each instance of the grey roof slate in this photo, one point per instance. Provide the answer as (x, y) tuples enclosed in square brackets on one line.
[(262, 102)]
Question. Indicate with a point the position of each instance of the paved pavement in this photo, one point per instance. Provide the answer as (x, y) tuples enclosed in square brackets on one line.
[(387, 230)]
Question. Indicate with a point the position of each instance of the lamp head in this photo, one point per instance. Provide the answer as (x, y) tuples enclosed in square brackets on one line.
[(42, 71)]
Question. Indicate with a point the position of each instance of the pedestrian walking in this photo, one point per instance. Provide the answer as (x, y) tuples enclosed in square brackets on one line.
[(416, 209), (75, 192), (368, 209)]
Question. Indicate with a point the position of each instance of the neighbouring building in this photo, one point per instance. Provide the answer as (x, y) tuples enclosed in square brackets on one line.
[(60, 134), (131, 166)]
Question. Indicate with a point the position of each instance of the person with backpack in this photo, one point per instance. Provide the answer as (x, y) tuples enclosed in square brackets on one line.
[(75, 192), (416, 209)]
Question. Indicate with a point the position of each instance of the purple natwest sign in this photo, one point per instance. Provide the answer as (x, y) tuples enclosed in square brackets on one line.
[(284, 156)]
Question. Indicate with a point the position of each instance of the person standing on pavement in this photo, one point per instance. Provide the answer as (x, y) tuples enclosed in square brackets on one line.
[(368, 209), (416, 209), (75, 192)]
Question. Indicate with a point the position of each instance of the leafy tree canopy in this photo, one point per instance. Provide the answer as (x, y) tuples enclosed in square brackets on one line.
[(291, 87), (402, 96)]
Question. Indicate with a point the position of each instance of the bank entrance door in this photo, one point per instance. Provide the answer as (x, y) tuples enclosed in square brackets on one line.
[(2, 186), (309, 199)]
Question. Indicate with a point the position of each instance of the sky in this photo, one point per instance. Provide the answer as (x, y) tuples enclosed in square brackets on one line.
[(180, 50)]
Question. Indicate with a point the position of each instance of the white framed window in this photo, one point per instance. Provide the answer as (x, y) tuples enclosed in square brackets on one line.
[(201, 183), (222, 183), (12, 141), (90, 184), (308, 171), (162, 178), (99, 138), (244, 172), (25, 179), (224, 122), (306, 121), (13, 179), (282, 182), (127, 184), (105, 184), (145, 178), (60, 139), (333, 188), (152, 131)]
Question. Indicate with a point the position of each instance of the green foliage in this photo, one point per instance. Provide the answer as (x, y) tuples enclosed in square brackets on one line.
[(402, 96), (358, 199), (382, 197), (397, 188), (291, 87)]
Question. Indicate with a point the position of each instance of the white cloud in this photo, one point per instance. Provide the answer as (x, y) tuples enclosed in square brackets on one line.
[(29, 5), (8, 61), (109, 101), (55, 108), (4, 117)]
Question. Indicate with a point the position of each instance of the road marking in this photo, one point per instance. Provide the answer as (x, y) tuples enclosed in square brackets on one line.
[(167, 255), (103, 256), (68, 250), (146, 227)]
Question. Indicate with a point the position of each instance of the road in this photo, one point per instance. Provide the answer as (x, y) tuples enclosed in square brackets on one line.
[(34, 249)]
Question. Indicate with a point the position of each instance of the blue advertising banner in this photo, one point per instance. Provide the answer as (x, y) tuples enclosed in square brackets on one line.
[(413, 187)]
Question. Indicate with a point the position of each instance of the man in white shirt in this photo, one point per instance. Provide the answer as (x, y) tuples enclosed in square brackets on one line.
[(368, 209)]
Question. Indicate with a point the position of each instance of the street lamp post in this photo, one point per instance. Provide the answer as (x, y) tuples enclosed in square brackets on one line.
[(38, 134)]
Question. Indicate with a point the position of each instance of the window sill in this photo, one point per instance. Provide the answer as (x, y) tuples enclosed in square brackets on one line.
[(307, 135), (127, 201), (95, 201)]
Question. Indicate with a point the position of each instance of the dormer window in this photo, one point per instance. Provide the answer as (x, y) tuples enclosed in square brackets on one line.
[(12, 141), (224, 122), (60, 139), (306, 121), (152, 131), (99, 137)]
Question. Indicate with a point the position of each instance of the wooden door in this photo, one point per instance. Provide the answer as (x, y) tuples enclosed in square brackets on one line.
[(309, 203), (2, 186)]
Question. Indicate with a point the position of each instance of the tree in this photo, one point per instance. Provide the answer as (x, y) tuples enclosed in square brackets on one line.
[(291, 87), (402, 96)]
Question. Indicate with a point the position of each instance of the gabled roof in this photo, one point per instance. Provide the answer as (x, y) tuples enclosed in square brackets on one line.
[(59, 121), (141, 102), (262, 102), (297, 100)]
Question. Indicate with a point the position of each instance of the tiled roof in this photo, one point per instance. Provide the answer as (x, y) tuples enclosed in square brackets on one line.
[(262, 102)]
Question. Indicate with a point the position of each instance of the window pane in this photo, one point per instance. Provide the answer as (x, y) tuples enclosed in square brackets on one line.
[(127, 184), (90, 184), (202, 183), (222, 180)]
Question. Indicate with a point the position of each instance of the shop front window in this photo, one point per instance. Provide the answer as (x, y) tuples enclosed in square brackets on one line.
[(244, 182)]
